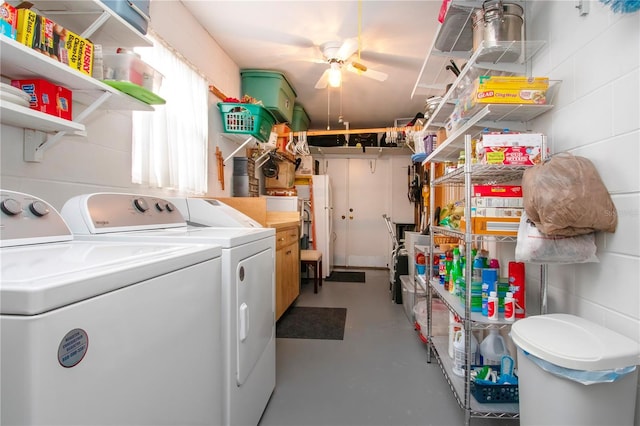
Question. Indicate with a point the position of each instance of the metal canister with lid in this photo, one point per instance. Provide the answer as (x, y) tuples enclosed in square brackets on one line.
[(495, 23)]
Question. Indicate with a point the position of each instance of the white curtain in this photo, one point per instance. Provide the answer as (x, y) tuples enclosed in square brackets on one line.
[(170, 143)]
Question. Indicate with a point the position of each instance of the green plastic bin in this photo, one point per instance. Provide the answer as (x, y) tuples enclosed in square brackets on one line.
[(300, 122), (273, 89), (250, 119)]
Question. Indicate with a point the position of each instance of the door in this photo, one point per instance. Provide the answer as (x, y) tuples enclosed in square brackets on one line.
[(360, 197)]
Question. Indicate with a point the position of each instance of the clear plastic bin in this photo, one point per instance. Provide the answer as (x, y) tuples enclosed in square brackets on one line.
[(129, 67)]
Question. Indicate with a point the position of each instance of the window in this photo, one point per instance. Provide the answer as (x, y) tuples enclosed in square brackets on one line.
[(170, 143)]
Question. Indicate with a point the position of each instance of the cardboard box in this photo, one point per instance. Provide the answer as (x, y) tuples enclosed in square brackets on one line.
[(47, 97), (511, 139), (306, 165), (8, 20), (47, 37), (510, 90), (77, 53), (510, 202), (505, 226), (497, 191), (285, 178), (510, 155), (497, 211)]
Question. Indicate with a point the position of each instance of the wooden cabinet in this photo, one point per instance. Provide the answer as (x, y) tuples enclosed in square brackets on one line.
[(287, 267)]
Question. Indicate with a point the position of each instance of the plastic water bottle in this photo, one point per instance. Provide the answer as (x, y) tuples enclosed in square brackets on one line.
[(492, 306)]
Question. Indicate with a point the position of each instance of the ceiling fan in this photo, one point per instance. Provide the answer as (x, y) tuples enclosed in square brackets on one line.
[(337, 55)]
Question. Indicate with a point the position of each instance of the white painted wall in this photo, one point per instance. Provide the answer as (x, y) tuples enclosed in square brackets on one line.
[(597, 115), (101, 161)]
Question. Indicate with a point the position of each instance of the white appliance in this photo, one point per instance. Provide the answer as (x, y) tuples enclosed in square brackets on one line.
[(322, 206), (248, 285), (104, 333), (218, 214)]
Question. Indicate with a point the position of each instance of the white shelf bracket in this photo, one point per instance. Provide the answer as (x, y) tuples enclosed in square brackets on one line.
[(238, 149), (33, 139), (100, 20), (34, 146)]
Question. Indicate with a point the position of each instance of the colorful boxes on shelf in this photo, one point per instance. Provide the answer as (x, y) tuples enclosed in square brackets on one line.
[(8, 20), (47, 97), (47, 37)]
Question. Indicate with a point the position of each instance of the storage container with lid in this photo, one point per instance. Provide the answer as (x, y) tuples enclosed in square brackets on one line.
[(591, 366), (271, 88)]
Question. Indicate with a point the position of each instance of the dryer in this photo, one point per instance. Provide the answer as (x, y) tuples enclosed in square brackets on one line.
[(248, 285), (104, 333), (212, 212)]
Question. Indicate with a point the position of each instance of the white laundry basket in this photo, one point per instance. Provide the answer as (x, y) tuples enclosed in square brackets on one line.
[(557, 355)]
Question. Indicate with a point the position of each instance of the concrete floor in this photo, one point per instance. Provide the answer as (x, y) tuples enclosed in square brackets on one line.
[(377, 376)]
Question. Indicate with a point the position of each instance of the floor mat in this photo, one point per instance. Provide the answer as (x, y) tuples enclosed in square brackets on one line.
[(346, 276), (307, 322)]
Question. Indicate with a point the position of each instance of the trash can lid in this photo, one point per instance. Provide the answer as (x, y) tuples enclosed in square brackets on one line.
[(573, 342)]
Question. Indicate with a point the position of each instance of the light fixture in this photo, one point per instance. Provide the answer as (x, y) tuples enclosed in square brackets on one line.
[(335, 74)]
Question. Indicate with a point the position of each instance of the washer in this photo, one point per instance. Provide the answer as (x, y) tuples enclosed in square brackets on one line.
[(104, 333), (248, 286)]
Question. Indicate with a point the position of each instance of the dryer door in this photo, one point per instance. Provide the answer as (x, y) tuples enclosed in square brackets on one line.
[(255, 283)]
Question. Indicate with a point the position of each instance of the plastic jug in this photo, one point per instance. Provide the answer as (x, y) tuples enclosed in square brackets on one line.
[(493, 348), (459, 351), (454, 325)]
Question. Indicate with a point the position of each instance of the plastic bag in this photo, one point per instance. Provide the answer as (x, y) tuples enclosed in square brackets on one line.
[(565, 196), (535, 247), (581, 376)]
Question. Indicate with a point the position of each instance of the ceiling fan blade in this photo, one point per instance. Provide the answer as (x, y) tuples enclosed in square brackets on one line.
[(323, 81), (348, 48), (361, 69)]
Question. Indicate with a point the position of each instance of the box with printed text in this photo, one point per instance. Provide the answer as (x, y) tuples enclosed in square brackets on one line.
[(47, 97)]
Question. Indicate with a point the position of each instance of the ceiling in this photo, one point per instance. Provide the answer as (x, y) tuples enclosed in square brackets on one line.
[(286, 36)]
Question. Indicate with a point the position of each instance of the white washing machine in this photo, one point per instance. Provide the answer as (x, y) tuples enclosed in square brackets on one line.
[(104, 333), (248, 285)]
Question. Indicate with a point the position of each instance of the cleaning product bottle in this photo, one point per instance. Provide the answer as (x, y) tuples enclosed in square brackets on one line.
[(456, 271), (493, 348), (509, 307), (492, 306)]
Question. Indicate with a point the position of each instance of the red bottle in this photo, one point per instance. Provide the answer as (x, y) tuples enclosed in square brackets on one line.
[(516, 286)]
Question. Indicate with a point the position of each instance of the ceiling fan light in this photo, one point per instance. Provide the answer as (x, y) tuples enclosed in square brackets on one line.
[(335, 75)]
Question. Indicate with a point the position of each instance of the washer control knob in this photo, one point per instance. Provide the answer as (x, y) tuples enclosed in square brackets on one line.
[(11, 206), (39, 208), (159, 207), (170, 207), (141, 205)]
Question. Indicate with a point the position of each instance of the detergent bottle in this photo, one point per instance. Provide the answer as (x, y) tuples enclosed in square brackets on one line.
[(492, 348)]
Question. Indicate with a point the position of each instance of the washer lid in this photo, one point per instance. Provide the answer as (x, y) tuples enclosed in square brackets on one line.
[(42, 277), (573, 342)]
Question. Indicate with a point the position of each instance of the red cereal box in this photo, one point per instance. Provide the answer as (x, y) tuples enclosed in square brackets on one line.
[(47, 97)]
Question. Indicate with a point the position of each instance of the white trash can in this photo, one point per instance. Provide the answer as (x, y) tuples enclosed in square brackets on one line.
[(574, 372)]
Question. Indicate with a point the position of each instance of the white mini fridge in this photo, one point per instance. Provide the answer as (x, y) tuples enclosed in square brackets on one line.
[(322, 207)]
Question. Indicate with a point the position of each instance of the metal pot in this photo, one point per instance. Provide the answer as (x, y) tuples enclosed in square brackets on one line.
[(498, 22)]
